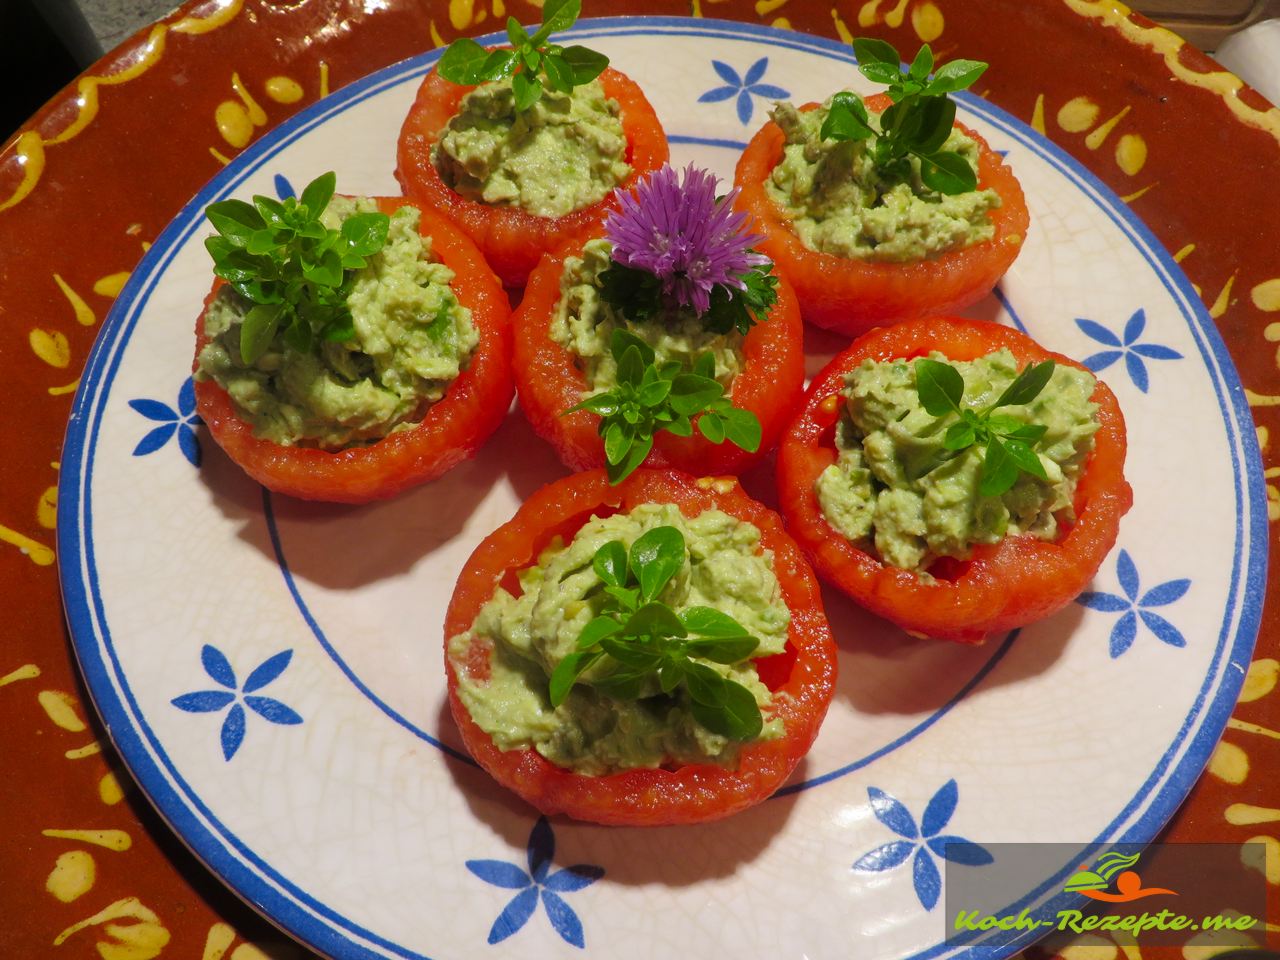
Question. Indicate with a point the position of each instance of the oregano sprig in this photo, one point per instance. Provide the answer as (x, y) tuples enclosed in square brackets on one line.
[(532, 62), (636, 640), (652, 396), (1008, 441), (920, 119), (295, 271)]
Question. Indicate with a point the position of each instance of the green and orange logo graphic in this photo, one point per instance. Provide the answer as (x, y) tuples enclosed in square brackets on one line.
[(1128, 885)]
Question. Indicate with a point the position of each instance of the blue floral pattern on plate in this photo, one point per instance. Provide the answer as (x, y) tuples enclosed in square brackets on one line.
[(1137, 607), (537, 883), (1126, 345), (924, 841), (181, 423), (218, 667), (743, 87)]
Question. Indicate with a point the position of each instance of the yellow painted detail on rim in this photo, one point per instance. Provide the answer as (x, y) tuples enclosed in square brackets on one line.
[(1138, 194), (28, 671), (460, 13), (143, 939), (51, 347), (1037, 115), (35, 551), (1261, 678), (1131, 153), (283, 89), (29, 151), (1078, 114), (116, 840), (1261, 399), (233, 123), (1247, 727), (1099, 136), (224, 14), (59, 391), (1264, 440), (766, 7), (1167, 44), (1089, 947), (1243, 814), (841, 29), (782, 23), (72, 876), (499, 8), (1269, 864), (109, 790), (61, 709), (221, 158), (324, 70), (927, 21), (1184, 253), (1266, 295), (1223, 300), (47, 508), (217, 942), (111, 284), (84, 314), (149, 54), (88, 750), (1229, 763)]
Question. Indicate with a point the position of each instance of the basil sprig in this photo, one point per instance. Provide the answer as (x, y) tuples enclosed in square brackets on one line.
[(636, 640), (919, 120), (531, 62), (296, 272), (1008, 440), (639, 293), (652, 396)]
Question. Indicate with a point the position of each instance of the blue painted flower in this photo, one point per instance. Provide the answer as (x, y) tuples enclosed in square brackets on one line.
[(1137, 607), (744, 87), (1126, 345), (181, 422), (925, 841), (535, 883), (284, 189), (218, 667)]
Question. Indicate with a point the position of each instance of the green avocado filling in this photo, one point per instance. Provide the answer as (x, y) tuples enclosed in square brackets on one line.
[(893, 485), (412, 338), (841, 203), (565, 152), (584, 322), (589, 732)]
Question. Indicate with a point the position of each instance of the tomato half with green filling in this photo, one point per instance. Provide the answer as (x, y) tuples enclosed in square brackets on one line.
[(549, 382), (513, 239), (851, 296), (450, 431), (801, 678), (1001, 586)]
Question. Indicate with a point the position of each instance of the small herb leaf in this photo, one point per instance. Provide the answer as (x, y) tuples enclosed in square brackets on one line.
[(723, 650), (584, 63), (597, 630), (1027, 385), (610, 563), (567, 672), (947, 172), (464, 62), (956, 75), (710, 622), (656, 556), (999, 470), (654, 619), (869, 50), (1025, 459), (939, 387)]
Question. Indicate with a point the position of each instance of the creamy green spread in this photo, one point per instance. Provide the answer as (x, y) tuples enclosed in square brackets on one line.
[(530, 634), (841, 203), (583, 324), (412, 338), (892, 487), (565, 152)]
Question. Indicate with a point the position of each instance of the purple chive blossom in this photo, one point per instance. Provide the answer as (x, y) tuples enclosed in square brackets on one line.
[(679, 232)]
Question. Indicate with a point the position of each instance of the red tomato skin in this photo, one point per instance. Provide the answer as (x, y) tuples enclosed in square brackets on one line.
[(549, 382), (511, 238), (1002, 586), (804, 674), (852, 296), (451, 431)]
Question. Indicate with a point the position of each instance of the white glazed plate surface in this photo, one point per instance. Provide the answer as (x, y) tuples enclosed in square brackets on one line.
[(271, 671)]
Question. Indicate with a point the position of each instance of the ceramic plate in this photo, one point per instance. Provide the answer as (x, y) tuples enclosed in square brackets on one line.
[(271, 671)]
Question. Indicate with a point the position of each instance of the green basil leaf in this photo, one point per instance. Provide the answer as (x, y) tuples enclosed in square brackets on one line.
[(273, 212), (947, 173), (610, 563), (631, 366), (742, 428), (499, 64), (527, 89), (621, 340), (999, 472), (260, 243), (710, 622), (869, 50), (691, 393), (922, 64), (631, 654), (635, 456), (670, 675), (656, 556), (959, 436), (681, 426), (1002, 424), (340, 328), (298, 335), (1027, 385), (653, 394), (1025, 458), (705, 686), (654, 619), (531, 59), (626, 684), (711, 426), (705, 366), (327, 272), (1028, 433), (880, 72), (616, 442), (939, 387), (234, 219), (625, 597), (595, 631), (317, 194), (603, 404), (723, 649), (737, 716), (557, 16), (559, 74), (463, 62), (938, 116), (516, 33), (366, 233), (586, 64), (567, 672), (258, 329), (846, 119), (956, 75)]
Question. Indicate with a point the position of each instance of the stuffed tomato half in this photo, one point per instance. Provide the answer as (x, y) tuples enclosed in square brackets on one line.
[(954, 477), (865, 242), (622, 359), (520, 180), (355, 348), (648, 653)]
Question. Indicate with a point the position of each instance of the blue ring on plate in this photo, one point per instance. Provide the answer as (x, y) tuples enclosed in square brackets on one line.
[(298, 912)]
